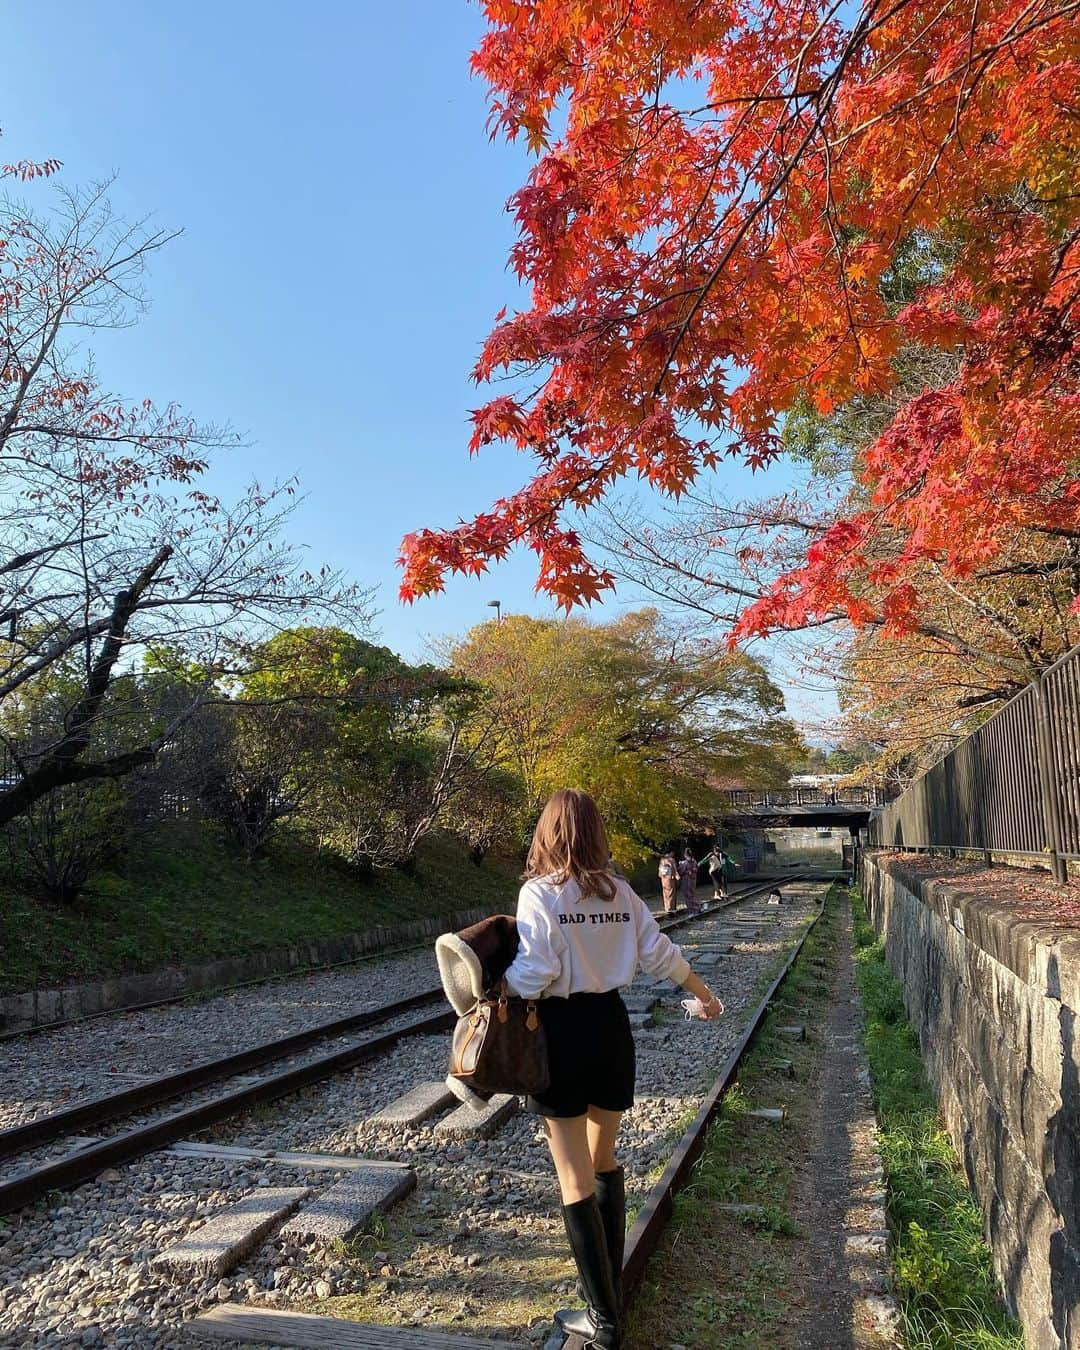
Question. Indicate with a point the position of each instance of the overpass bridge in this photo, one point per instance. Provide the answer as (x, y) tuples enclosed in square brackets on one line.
[(774, 808)]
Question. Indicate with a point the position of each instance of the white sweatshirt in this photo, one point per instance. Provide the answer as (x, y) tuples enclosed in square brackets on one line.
[(570, 945)]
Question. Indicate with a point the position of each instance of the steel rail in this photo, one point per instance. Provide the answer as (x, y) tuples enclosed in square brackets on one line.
[(83, 1164), (115, 1105), (74, 1168), (644, 1236), (101, 1110)]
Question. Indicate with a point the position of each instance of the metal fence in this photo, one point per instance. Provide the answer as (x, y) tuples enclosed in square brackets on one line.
[(162, 787), (1012, 786)]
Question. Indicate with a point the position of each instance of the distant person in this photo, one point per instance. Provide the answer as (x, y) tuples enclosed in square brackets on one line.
[(688, 866), (668, 873), (718, 862)]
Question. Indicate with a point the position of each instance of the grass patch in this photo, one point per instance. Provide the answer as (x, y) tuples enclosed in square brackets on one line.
[(186, 897), (945, 1283), (723, 1279)]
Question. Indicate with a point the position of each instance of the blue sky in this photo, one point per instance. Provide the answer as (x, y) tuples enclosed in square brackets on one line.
[(343, 255)]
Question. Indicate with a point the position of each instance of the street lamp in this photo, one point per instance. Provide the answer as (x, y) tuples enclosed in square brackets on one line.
[(496, 605)]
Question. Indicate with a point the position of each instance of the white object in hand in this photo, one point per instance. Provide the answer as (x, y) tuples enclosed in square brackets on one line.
[(695, 1009)]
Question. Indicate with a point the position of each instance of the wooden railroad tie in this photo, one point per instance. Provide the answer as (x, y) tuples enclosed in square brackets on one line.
[(269, 1326)]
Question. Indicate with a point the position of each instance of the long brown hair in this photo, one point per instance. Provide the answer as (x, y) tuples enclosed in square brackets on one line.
[(570, 841)]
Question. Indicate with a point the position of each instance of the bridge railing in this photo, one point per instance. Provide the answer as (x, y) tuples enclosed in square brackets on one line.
[(1012, 786), (804, 796)]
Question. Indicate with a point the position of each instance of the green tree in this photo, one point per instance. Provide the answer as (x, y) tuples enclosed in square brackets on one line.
[(653, 726), (394, 758), (254, 765)]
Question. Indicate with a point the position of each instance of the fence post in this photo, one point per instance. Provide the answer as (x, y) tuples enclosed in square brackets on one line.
[(1047, 794)]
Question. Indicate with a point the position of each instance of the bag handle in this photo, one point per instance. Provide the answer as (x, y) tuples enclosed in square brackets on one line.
[(502, 1010)]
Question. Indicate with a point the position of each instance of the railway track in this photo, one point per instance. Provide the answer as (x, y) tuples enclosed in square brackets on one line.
[(115, 1106), (505, 1253), (86, 1160), (90, 1259), (190, 996)]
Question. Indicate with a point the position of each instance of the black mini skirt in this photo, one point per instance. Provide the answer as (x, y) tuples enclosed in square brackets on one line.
[(590, 1054)]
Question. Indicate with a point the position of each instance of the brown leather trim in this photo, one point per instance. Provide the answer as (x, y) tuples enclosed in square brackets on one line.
[(475, 1022)]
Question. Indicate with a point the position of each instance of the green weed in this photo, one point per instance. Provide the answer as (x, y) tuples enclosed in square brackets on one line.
[(945, 1282), (362, 1244)]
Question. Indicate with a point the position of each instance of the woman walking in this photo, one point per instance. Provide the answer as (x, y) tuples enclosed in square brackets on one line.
[(688, 869), (583, 933), (668, 873), (718, 869)]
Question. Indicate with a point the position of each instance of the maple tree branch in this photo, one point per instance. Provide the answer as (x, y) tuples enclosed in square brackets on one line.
[(829, 88), (1065, 10), (999, 695), (1043, 569), (1056, 531), (956, 642), (1007, 627)]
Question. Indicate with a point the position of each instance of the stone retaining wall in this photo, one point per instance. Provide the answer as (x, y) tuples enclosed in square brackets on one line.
[(995, 1001), (23, 1012)]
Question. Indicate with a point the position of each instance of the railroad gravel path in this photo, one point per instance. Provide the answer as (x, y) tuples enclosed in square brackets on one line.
[(51, 1070), (478, 1243), (34, 1157)]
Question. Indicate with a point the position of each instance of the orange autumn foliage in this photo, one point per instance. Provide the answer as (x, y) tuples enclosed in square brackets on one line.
[(722, 192)]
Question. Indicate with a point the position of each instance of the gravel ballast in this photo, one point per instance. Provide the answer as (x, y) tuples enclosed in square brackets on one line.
[(50, 1070), (478, 1243)]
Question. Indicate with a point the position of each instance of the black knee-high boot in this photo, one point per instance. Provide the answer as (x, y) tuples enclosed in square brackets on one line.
[(598, 1324), (611, 1197)]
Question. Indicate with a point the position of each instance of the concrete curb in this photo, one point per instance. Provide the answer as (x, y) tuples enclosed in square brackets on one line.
[(43, 1007)]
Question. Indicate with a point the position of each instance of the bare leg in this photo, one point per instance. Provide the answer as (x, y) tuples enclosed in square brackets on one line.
[(602, 1129), (600, 1266), (568, 1140)]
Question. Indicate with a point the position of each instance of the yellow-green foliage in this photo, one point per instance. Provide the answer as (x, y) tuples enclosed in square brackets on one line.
[(651, 725)]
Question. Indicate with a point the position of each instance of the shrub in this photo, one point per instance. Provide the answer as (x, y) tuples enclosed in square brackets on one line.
[(64, 837)]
